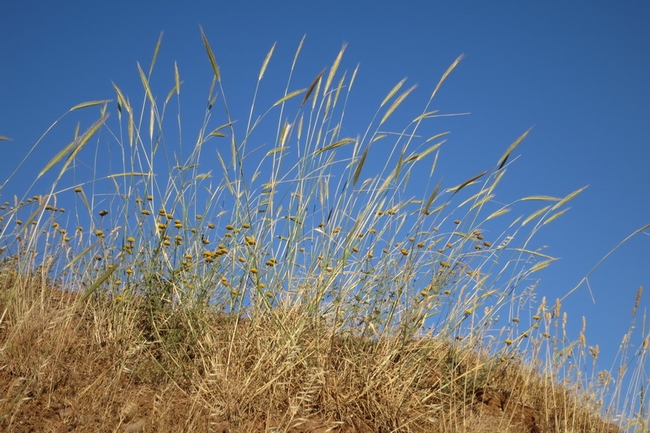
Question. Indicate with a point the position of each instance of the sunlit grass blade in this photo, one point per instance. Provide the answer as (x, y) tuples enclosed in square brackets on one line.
[(504, 157), (387, 182), (121, 100), (212, 96), (482, 201), (225, 173), (74, 146), (84, 199), (276, 150), (90, 104), (203, 176), (333, 69), (177, 84), (445, 75), (267, 59), (79, 256), (328, 104), (398, 166), (424, 116), (431, 198), (498, 176), (145, 84), (213, 60), (155, 53), (335, 145), (535, 215), (535, 253), (339, 88), (555, 216), (396, 104), (434, 137), (103, 277), (215, 131), (540, 198), (354, 76), (76, 130), (82, 142), (311, 87), (394, 90), (419, 156), (123, 103), (29, 221), (298, 50), (131, 129), (170, 94), (285, 133), (128, 174), (498, 213), (469, 181), (152, 117), (437, 209), (357, 170), (299, 133), (177, 79), (565, 351), (434, 164), (568, 198), (287, 97)]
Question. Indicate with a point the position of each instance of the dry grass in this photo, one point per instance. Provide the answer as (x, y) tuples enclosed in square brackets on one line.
[(77, 366), (328, 296)]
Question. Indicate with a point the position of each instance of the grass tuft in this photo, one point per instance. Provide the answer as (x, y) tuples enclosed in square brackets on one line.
[(305, 285)]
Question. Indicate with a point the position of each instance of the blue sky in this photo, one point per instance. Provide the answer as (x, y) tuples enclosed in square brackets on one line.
[(576, 72)]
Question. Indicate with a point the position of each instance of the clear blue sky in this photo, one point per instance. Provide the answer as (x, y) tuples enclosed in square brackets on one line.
[(576, 71)]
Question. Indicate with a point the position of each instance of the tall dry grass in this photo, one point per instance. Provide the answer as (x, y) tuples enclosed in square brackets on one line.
[(303, 285)]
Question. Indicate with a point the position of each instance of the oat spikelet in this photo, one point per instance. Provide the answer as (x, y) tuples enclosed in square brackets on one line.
[(213, 61), (333, 69), (396, 104), (392, 92), (266, 62)]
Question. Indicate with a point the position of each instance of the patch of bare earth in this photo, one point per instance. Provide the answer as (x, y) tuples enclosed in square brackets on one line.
[(100, 366)]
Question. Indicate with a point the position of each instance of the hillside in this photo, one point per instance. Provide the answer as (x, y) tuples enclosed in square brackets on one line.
[(105, 365)]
